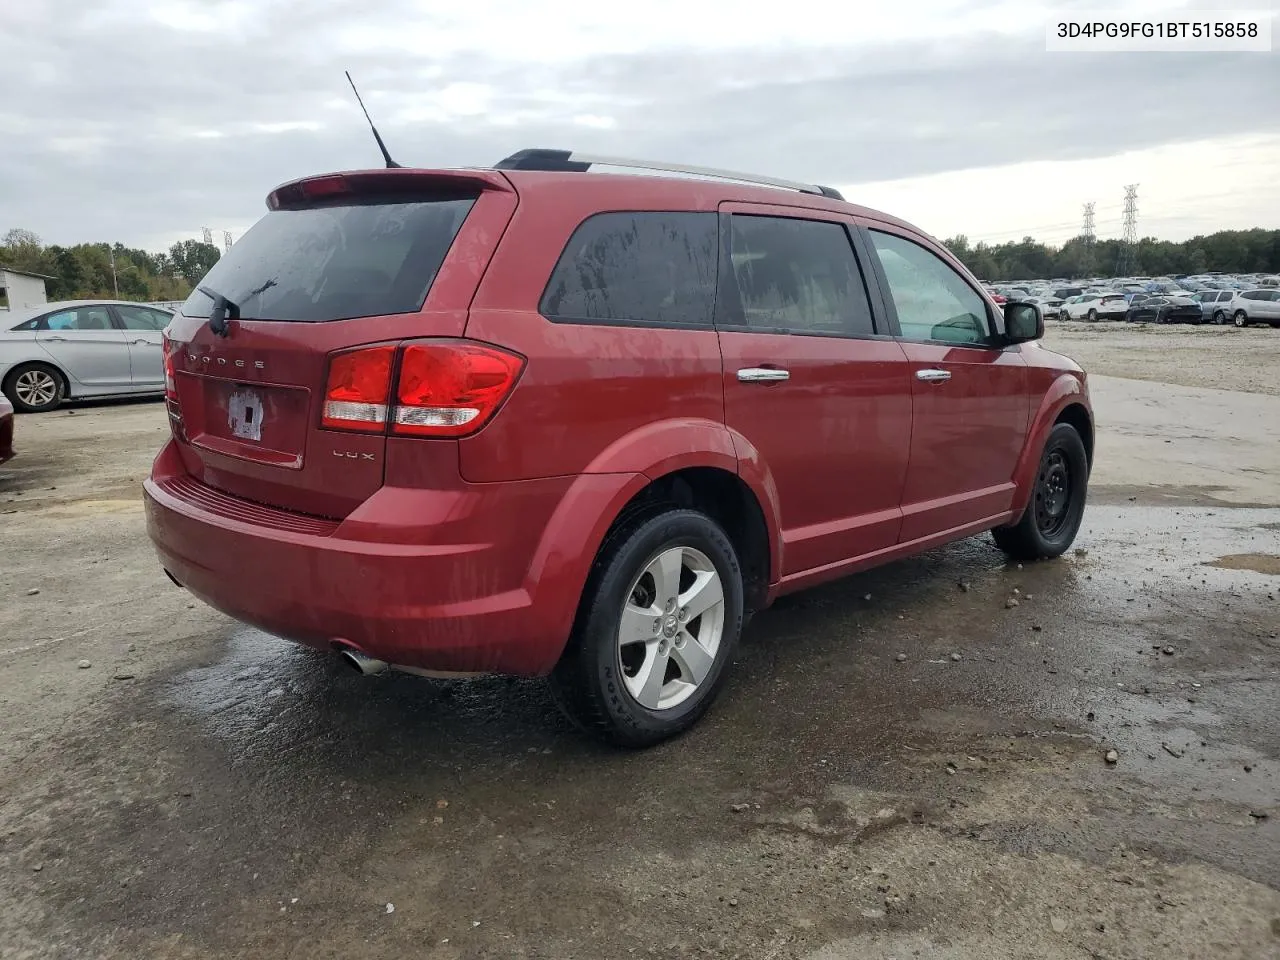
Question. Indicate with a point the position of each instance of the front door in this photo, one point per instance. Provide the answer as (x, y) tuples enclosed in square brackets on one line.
[(86, 344), (812, 389), (970, 400)]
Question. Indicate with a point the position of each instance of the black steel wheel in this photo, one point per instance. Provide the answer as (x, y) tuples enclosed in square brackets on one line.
[(1055, 509)]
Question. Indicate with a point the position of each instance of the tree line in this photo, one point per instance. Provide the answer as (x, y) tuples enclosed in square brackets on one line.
[(1228, 251), (84, 271)]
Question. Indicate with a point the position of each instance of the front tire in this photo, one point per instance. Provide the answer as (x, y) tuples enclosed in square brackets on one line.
[(658, 625), (35, 388), (1093, 316), (1241, 319), (1052, 519)]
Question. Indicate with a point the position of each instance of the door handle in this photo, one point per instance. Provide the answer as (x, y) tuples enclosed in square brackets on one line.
[(56, 339), (933, 376), (142, 341), (762, 374)]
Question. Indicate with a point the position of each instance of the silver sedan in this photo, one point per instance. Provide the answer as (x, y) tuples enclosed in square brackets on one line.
[(76, 349)]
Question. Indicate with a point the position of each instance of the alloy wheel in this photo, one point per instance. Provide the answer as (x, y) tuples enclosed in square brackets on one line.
[(671, 627), (36, 388)]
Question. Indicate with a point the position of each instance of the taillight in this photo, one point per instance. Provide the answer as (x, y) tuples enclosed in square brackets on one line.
[(443, 388), (355, 397), (170, 388), (168, 350), (449, 388)]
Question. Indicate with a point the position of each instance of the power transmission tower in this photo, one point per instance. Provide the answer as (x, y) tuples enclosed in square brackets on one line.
[(1087, 258), (1130, 242), (226, 241), (207, 234)]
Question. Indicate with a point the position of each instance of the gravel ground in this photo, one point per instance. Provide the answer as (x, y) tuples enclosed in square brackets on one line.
[(174, 785), (1221, 358)]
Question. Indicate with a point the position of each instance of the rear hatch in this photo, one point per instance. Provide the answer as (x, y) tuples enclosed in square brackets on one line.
[(339, 262)]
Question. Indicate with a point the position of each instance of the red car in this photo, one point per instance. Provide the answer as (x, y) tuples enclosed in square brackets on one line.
[(6, 429), (538, 420)]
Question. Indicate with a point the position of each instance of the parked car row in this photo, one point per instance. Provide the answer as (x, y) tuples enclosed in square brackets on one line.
[(76, 349), (1240, 307)]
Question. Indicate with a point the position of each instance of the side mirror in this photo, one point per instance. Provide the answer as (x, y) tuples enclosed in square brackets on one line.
[(1023, 321)]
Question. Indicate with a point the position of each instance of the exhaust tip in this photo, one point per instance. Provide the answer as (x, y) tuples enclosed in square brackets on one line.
[(360, 663)]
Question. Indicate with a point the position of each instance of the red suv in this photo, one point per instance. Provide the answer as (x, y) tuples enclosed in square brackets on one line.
[(538, 420)]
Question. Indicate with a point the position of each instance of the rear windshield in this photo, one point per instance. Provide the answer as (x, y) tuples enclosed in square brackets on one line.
[(335, 261)]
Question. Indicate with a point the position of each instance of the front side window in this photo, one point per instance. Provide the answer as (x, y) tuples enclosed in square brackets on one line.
[(796, 276), (636, 267), (81, 318), (932, 300)]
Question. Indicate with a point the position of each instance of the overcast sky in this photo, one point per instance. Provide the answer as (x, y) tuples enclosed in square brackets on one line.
[(145, 120)]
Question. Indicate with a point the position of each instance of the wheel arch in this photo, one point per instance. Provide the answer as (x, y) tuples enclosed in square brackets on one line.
[(1066, 401), (692, 464), (43, 360)]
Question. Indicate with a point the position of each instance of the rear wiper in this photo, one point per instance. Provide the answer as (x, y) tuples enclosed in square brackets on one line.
[(223, 310)]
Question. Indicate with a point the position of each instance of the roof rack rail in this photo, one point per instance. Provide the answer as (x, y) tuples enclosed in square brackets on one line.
[(567, 161)]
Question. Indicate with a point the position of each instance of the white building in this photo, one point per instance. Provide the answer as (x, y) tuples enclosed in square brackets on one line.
[(22, 289)]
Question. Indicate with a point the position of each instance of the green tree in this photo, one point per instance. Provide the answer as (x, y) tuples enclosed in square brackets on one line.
[(192, 259)]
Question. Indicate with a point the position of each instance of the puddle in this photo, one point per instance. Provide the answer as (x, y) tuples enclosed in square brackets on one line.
[(1267, 563)]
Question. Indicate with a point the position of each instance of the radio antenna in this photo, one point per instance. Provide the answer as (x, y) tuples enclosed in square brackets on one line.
[(391, 164)]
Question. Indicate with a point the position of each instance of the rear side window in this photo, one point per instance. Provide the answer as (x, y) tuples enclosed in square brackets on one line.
[(141, 318), (334, 262), (795, 276), (636, 267)]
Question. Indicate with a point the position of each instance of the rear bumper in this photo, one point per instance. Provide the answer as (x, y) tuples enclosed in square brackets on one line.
[(478, 589)]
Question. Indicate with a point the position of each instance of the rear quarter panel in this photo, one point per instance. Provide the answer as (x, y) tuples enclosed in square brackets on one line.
[(593, 398)]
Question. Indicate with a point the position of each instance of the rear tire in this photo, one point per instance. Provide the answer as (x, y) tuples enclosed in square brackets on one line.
[(35, 388), (1052, 519), (1241, 319), (1219, 317), (632, 624), (1093, 316)]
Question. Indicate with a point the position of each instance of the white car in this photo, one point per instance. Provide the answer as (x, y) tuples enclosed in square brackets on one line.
[(1050, 307), (81, 348), (1097, 306), (1256, 306)]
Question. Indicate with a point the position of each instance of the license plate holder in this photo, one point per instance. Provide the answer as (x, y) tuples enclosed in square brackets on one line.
[(245, 412)]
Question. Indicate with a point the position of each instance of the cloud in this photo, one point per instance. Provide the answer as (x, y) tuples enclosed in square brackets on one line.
[(201, 108)]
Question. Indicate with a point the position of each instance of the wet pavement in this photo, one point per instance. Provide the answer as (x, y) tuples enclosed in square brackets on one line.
[(234, 795)]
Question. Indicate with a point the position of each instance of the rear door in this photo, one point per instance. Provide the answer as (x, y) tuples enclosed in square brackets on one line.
[(970, 399), (821, 395), (1268, 306), (144, 332), (340, 262), (86, 343)]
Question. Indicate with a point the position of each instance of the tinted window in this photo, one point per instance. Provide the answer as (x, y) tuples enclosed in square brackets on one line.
[(640, 267), (81, 318), (795, 276), (933, 301), (141, 318), (335, 261)]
